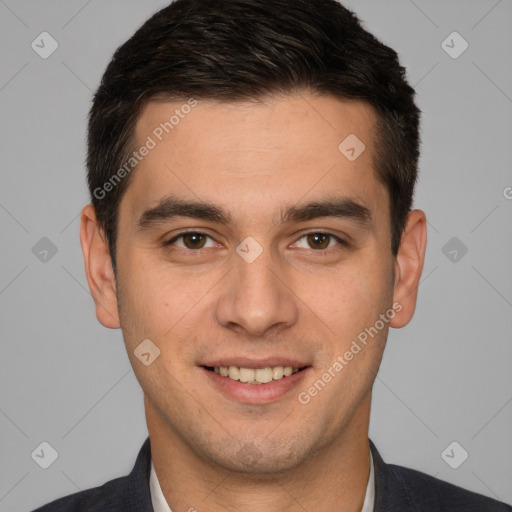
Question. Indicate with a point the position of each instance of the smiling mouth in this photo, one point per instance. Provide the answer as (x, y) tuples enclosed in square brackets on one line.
[(255, 376)]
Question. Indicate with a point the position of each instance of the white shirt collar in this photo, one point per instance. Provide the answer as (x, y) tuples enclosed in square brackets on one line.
[(160, 503), (157, 496), (369, 497)]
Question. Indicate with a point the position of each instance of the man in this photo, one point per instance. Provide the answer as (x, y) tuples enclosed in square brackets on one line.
[(252, 165)]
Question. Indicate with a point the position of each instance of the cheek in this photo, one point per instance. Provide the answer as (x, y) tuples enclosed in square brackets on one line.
[(159, 303), (348, 300), (147, 299)]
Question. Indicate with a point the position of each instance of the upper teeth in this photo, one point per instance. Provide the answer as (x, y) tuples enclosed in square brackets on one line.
[(255, 376)]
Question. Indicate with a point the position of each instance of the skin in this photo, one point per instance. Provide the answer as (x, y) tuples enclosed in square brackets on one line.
[(252, 159)]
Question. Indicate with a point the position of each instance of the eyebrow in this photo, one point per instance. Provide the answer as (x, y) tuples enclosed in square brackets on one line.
[(170, 207)]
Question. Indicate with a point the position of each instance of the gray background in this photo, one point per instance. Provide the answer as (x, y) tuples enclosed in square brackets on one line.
[(66, 380)]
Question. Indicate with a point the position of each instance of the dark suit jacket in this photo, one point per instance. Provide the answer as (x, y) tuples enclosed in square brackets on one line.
[(397, 489)]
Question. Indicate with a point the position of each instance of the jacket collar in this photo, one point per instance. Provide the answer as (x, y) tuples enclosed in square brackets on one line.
[(390, 489), (137, 483)]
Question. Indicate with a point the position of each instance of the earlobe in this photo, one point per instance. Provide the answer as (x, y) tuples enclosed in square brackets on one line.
[(409, 266), (98, 268)]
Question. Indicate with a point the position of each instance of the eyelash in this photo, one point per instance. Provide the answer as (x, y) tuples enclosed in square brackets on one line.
[(340, 241)]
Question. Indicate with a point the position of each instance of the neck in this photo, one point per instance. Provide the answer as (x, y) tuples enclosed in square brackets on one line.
[(332, 479)]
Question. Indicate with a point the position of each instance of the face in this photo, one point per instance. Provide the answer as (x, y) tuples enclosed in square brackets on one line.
[(248, 239)]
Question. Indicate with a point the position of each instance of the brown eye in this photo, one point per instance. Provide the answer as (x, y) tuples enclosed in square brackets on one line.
[(318, 240), (194, 240), (191, 240)]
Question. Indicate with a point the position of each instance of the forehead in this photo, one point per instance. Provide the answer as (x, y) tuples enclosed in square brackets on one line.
[(251, 155)]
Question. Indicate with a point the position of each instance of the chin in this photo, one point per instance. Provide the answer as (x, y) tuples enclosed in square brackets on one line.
[(265, 457)]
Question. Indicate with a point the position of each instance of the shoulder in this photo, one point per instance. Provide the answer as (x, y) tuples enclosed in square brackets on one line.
[(92, 500), (400, 489), (427, 493), (125, 494)]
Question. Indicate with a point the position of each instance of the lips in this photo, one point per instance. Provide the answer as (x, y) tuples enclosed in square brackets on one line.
[(251, 380), (254, 392)]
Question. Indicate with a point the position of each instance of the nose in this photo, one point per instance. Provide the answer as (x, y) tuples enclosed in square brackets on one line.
[(256, 299)]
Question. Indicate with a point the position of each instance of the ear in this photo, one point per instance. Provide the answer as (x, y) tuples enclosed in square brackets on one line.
[(98, 268), (408, 267)]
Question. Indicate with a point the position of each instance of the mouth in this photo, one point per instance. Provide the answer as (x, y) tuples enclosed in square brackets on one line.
[(255, 382), (255, 376)]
